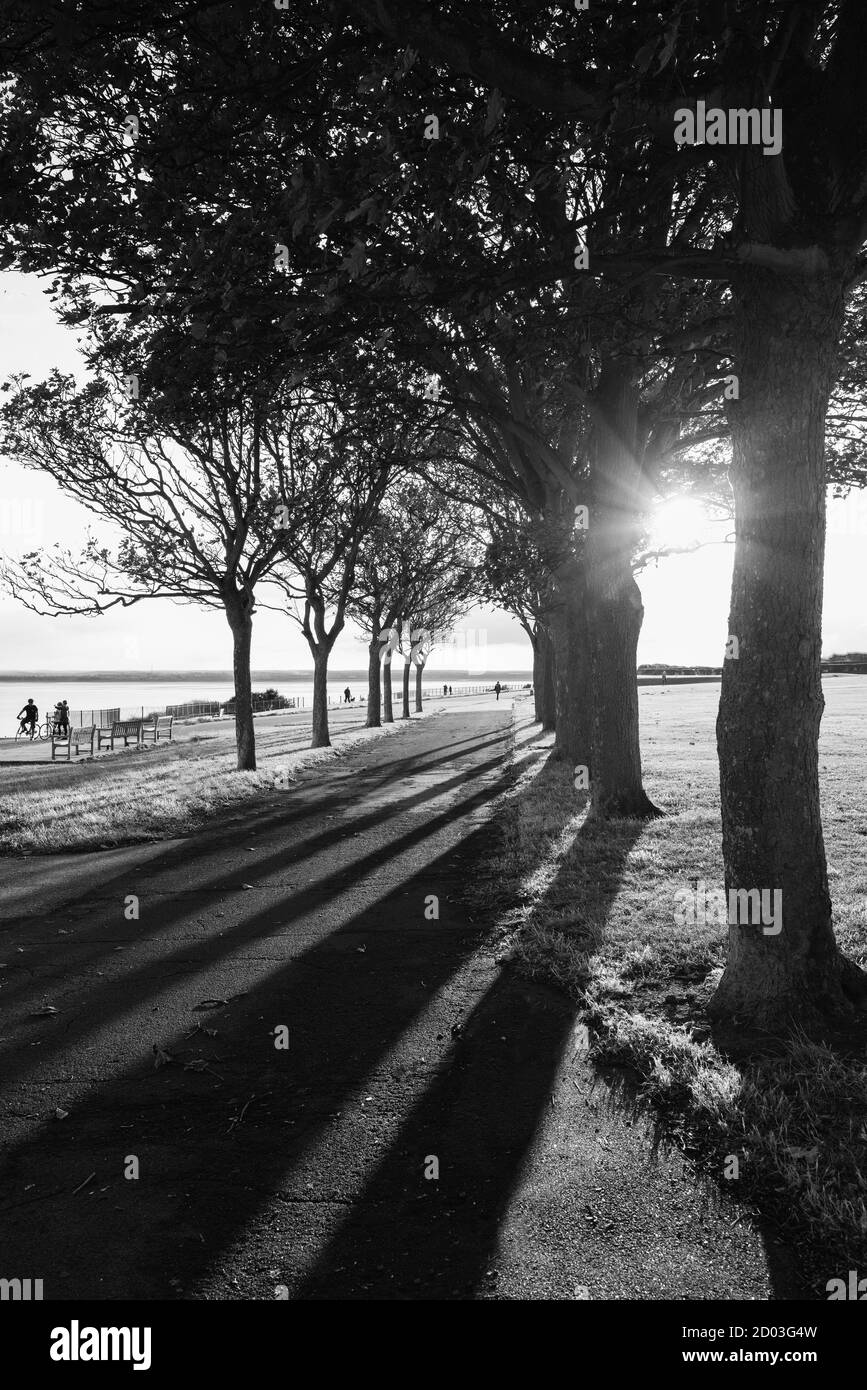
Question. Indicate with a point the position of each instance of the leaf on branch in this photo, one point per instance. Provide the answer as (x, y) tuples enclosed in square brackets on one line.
[(644, 56), (362, 207), (495, 111), (667, 53)]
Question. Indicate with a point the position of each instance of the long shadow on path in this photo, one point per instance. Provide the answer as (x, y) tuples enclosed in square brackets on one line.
[(220, 1148)]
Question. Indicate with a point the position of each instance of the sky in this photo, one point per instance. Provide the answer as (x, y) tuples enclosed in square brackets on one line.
[(685, 596)]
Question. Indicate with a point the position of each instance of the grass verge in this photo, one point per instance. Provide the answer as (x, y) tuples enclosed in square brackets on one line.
[(155, 794)]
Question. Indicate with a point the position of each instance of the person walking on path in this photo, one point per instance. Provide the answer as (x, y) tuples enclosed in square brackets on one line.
[(346, 696), (498, 688), (445, 690), (29, 716)]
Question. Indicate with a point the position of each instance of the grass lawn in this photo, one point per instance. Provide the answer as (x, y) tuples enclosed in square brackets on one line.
[(593, 908), (154, 793)]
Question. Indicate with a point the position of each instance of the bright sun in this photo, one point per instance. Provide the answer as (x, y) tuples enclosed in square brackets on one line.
[(680, 522)]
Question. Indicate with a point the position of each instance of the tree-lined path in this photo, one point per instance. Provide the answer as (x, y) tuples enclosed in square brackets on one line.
[(409, 1039)]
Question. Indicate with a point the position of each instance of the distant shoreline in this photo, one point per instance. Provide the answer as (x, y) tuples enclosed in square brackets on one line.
[(359, 673), (338, 673)]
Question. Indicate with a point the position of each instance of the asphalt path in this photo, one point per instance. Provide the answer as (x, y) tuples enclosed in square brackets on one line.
[(432, 1128)]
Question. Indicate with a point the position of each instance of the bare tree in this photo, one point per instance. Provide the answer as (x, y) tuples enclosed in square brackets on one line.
[(182, 484), (416, 574), (330, 468)]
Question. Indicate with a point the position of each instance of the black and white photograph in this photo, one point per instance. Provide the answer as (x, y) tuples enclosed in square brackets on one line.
[(433, 697)]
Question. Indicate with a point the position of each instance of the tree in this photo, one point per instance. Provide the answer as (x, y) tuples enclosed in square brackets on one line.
[(331, 467), (415, 574), (513, 576), (184, 485), (780, 231), (791, 254)]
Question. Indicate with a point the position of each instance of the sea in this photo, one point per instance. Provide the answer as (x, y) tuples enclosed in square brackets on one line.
[(143, 693)]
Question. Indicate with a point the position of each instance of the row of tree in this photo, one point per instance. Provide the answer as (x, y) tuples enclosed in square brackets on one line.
[(293, 502), (479, 216)]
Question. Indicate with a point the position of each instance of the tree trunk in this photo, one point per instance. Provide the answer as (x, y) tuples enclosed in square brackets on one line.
[(538, 676), (544, 702), (572, 690), (549, 706), (240, 620), (614, 608), (387, 693), (419, 672), (320, 738), (374, 683), (406, 713), (617, 789), (771, 701)]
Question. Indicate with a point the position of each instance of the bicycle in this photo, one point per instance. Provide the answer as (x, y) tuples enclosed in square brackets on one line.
[(40, 732)]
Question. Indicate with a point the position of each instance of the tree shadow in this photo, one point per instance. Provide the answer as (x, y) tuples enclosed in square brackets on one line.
[(219, 1141), (620, 1087), (194, 858), (409, 1235)]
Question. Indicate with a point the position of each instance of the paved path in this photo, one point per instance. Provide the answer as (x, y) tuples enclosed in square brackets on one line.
[(291, 728), (262, 1169)]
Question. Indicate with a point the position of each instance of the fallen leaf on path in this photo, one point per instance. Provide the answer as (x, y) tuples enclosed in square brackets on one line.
[(236, 1119), (61, 1114), (161, 1057), (44, 1013), (202, 1064), (200, 1028), (210, 1004)]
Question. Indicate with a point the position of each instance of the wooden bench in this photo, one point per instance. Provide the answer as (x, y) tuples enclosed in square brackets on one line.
[(121, 728), (73, 738), (159, 726)]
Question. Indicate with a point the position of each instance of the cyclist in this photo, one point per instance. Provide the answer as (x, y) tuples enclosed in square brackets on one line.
[(29, 716)]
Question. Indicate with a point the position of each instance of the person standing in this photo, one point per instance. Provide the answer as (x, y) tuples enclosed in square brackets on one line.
[(498, 688), (61, 717), (346, 696)]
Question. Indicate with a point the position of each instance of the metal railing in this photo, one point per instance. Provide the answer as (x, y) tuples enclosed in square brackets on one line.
[(191, 709), (216, 709)]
